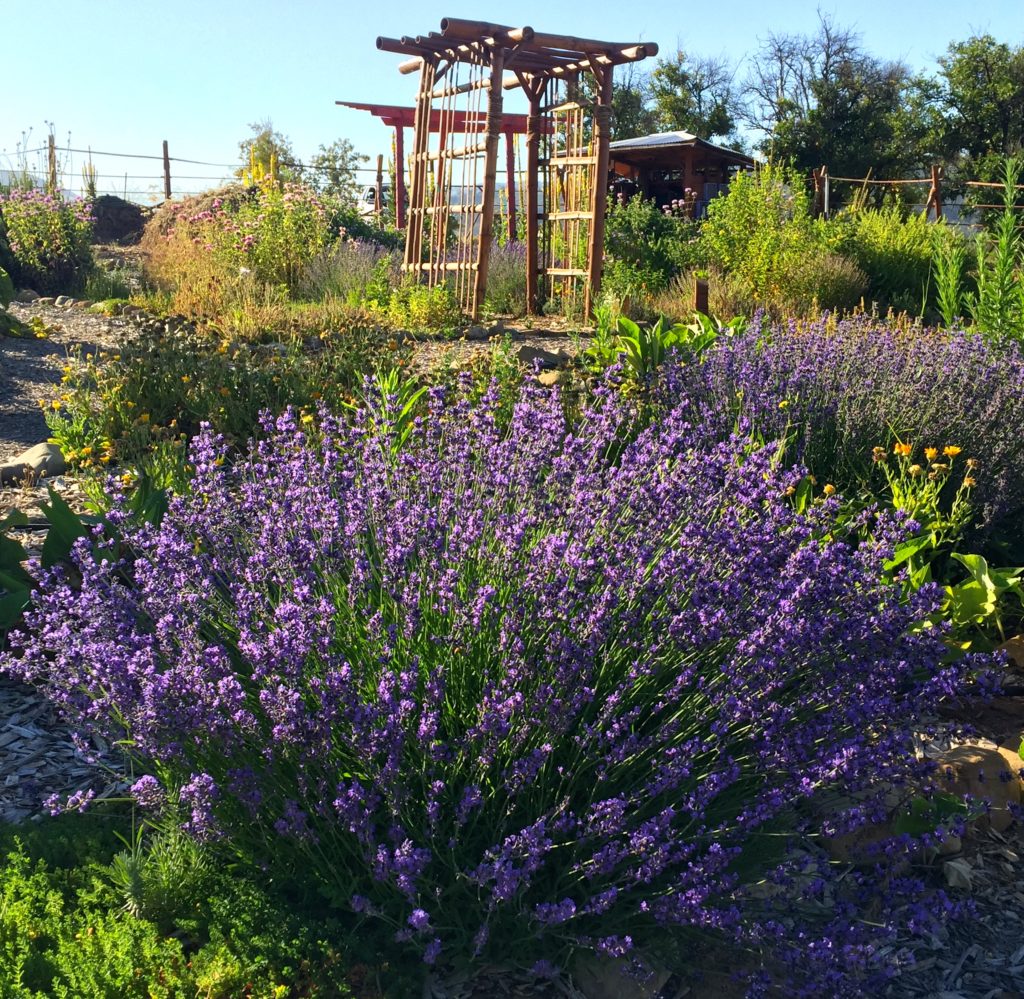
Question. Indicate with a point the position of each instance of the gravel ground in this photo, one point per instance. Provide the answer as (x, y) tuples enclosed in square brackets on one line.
[(30, 367)]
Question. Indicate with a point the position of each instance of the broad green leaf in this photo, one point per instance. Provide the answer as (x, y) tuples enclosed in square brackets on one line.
[(66, 527), (907, 550), (12, 606)]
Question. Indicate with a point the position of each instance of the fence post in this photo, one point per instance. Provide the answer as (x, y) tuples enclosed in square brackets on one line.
[(935, 195), (378, 190), (51, 165), (819, 193), (167, 173)]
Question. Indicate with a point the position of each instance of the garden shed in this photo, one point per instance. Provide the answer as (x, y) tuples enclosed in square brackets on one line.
[(662, 166)]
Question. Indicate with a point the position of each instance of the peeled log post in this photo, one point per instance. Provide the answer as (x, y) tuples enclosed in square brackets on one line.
[(417, 194), (460, 28), (493, 129), (510, 173), (571, 43), (599, 197), (591, 64), (533, 125)]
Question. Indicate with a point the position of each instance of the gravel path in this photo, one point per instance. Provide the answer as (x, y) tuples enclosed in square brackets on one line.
[(30, 367)]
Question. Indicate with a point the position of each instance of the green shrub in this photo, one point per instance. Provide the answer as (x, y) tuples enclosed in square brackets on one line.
[(70, 927), (138, 406), (353, 271), (761, 226), (998, 306), (48, 240), (646, 245), (422, 309), (6, 289), (895, 251), (506, 279), (812, 280), (49, 947)]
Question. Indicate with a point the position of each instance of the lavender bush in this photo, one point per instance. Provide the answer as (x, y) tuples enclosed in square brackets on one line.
[(506, 279), (353, 271), (840, 388), (496, 692)]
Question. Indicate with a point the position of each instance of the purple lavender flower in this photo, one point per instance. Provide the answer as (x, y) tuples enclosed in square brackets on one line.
[(500, 679), (148, 792)]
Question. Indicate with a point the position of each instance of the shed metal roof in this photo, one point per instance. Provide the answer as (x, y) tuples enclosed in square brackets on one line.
[(669, 140)]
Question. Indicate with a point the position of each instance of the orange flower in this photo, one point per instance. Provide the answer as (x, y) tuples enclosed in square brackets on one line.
[(903, 450), (952, 451), (931, 453)]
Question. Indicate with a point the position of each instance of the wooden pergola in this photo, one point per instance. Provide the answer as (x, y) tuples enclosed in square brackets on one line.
[(449, 241)]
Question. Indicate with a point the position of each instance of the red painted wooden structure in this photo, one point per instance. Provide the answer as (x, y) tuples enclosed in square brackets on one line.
[(400, 118)]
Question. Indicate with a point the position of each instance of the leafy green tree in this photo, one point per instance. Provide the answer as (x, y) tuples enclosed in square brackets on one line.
[(333, 170), (632, 113), (980, 96), (822, 99), (695, 94), (263, 145)]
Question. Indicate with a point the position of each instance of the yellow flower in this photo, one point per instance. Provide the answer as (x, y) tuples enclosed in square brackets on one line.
[(952, 451), (931, 453), (784, 404), (903, 450), (143, 417), (86, 451), (972, 463), (969, 481), (307, 418), (186, 379), (915, 470), (829, 489)]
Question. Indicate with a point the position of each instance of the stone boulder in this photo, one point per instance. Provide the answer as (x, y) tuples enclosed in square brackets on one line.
[(42, 461), (531, 356), (983, 774)]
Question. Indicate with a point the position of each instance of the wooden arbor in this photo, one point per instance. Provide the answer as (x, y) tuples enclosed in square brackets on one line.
[(568, 83)]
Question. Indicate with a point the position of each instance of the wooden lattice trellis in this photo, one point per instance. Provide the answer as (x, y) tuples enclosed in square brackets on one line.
[(451, 193)]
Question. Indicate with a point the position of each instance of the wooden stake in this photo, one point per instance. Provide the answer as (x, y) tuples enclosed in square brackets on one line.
[(493, 128), (819, 193), (378, 190), (167, 173), (700, 295)]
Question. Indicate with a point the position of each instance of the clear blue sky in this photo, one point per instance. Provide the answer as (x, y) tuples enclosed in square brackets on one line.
[(122, 75)]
